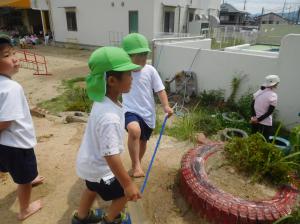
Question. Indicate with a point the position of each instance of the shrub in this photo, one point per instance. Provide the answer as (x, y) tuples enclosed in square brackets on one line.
[(77, 100), (244, 105), (74, 98), (295, 138), (212, 98), (261, 160)]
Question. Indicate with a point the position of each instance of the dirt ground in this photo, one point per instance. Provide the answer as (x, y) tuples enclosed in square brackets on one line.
[(226, 178), (57, 149)]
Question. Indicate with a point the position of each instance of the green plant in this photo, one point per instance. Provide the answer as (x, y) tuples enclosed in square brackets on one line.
[(244, 105), (74, 98), (235, 85), (212, 98), (295, 138), (261, 160), (293, 218), (71, 82), (198, 120), (228, 43), (77, 100)]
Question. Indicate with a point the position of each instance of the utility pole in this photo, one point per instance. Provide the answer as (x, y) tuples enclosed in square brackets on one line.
[(245, 4), (262, 10), (298, 16), (289, 15), (261, 17), (283, 7)]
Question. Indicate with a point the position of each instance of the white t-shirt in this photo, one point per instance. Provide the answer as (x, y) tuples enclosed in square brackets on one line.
[(103, 136), (14, 107), (140, 99), (263, 99)]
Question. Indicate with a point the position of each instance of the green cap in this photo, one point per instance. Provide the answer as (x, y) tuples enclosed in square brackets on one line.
[(5, 39), (103, 60), (135, 43)]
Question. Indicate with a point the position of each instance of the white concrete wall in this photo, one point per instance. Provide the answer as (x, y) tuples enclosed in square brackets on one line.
[(289, 71), (210, 7), (40, 4), (96, 19), (215, 69), (203, 44)]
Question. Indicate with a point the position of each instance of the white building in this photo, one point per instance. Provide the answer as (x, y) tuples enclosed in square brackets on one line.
[(102, 22)]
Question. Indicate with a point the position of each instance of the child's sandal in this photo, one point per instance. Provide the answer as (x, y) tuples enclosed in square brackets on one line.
[(94, 216), (123, 218)]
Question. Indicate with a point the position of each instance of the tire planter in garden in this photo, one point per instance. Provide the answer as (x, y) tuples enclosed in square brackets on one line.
[(282, 144), (229, 133), (232, 117), (220, 207)]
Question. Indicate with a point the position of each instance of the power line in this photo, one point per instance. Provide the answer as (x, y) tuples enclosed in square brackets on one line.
[(283, 7)]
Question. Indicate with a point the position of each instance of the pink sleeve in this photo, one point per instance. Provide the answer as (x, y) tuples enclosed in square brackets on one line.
[(273, 99)]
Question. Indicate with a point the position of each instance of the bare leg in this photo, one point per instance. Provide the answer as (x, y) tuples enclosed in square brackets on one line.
[(143, 146), (26, 209), (86, 202), (134, 133), (115, 208)]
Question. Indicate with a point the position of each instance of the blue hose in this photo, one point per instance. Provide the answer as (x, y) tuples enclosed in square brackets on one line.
[(154, 153)]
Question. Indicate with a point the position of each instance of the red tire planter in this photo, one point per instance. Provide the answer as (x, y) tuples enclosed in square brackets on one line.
[(220, 207)]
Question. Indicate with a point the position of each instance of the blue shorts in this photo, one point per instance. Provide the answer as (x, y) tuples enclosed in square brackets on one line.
[(146, 131), (20, 163)]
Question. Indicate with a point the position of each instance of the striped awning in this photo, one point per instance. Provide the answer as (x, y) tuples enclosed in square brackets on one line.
[(25, 4)]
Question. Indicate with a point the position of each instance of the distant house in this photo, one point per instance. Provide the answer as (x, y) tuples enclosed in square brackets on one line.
[(95, 22), (229, 15), (271, 18)]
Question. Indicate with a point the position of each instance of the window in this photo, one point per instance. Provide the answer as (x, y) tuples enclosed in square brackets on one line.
[(270, 22), (277, 22), (191, 15), (169, 21), (224, 18), (231, 18), (204, 25), (133, 21), (71, 19)]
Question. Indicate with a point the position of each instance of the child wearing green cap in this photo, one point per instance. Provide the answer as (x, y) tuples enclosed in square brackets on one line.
[(17, 136), (139, 103), (98, 160)]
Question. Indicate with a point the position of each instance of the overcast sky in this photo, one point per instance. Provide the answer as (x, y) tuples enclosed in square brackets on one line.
[(255, 6)]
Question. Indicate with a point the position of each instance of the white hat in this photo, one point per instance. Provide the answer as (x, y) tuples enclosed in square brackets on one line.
[(271, 80)]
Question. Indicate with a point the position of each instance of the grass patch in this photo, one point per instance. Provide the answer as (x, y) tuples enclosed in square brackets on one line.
[(229, 42), (74, 98), (207, 120)]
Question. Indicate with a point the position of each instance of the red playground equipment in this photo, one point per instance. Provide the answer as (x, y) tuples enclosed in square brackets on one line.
[(33, 61)]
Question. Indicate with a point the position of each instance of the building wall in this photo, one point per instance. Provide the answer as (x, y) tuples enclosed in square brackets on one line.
[(106, 25), (40, 4), (215, 69), (273, 19), (98, 22)]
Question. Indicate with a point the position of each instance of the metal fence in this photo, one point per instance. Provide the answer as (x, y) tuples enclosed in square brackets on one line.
[(235, 34)]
